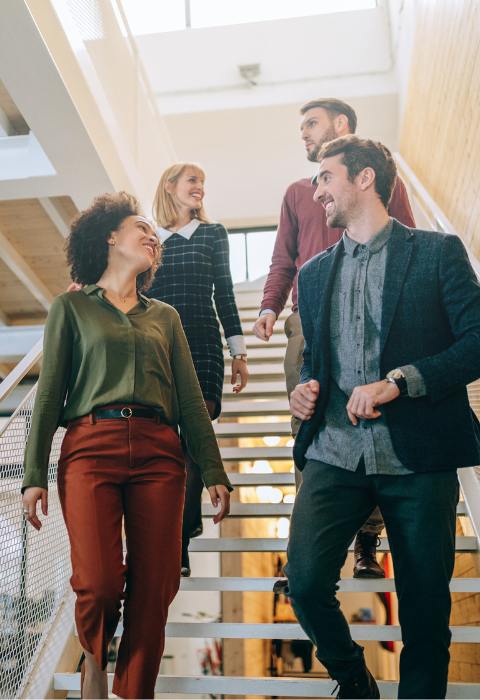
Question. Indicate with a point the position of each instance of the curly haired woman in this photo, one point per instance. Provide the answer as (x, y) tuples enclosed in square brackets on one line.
[(117, 372), (196, 268)]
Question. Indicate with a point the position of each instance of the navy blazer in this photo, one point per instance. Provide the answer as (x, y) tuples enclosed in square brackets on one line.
[(430, 319)]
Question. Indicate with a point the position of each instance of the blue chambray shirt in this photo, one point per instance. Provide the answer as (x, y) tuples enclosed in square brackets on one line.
[(355, 324)]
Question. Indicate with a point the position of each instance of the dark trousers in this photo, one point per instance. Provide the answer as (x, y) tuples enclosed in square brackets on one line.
[(109, 470), (419, 512)]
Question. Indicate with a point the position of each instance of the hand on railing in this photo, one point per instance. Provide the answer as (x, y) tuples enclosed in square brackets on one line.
[(30, 497)]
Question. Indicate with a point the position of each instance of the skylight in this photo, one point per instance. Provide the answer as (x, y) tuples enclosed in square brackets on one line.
[(153, 16)]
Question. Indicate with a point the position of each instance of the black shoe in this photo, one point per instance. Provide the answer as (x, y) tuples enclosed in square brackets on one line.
[(362, 685), (280, 585), (365, 554), (185, 570)]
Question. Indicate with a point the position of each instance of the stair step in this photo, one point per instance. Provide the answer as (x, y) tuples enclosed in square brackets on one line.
[(278, 340), (259, 370), (234, 409), (251, 510), (250, 454), (287, 630), (279, 544), (271, 687), (276, 479), (346, 585), (252, 429), (256, 389), (268, 510), (263, 354)]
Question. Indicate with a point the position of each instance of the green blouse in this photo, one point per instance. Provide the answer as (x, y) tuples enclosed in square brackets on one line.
[(95, 355)]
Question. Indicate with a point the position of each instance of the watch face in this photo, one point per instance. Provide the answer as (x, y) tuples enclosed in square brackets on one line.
[(395, 374)]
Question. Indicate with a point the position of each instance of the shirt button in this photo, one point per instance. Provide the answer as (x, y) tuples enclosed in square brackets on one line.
[(358, 318), (365, 427), (362, 247), (359, 371)]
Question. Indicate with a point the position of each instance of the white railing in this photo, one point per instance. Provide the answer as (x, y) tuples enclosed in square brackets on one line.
[(34, 567)]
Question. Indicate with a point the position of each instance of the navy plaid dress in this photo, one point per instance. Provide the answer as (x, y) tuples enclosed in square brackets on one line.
[(191, 271)]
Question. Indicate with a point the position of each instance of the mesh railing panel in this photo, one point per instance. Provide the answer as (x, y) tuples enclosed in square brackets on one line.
[(34, 566)]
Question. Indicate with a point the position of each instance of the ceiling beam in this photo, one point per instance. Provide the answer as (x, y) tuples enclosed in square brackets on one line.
[(57, 214), (25, 274)]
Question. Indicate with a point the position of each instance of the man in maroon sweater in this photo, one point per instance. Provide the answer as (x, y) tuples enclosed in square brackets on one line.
[(302, 234)]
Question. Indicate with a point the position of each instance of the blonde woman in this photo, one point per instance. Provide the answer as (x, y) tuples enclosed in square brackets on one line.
[(195, 266)]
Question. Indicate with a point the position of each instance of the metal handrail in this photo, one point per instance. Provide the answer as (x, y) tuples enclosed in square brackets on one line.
[(16, 375)]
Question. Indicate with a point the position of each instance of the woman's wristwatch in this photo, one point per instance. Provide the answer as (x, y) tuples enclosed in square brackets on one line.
[(240, 357), (396, 376)]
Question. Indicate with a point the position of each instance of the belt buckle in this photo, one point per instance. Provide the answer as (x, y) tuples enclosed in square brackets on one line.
[(126, 415)]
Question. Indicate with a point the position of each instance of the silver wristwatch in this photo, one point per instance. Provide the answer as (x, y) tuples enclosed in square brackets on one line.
[(240, 357), (396, 376)]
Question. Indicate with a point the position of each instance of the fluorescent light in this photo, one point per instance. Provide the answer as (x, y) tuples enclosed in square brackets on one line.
[(289, 498), (290, 443)]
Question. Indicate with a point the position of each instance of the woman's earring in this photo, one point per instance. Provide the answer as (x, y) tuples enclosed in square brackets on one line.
[(112, 243)]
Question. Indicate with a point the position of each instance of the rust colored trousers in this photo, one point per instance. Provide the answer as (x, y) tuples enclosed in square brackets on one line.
[(110, 469)]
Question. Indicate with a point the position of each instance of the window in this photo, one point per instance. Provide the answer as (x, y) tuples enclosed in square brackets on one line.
[(251, 253), (153, 16)]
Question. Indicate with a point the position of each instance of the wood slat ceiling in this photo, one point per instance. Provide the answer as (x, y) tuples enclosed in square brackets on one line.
[(30, 230), (12, 111)]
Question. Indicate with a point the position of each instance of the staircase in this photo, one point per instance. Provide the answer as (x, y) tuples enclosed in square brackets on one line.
[(266, 396)]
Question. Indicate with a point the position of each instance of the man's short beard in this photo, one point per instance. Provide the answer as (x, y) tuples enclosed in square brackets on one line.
[(329, 135), (338, 220)]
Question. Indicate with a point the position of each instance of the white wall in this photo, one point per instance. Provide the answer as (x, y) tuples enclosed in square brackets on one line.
[(251, 155)]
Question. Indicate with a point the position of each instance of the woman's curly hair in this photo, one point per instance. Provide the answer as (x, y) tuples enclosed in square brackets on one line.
[(87, 245)]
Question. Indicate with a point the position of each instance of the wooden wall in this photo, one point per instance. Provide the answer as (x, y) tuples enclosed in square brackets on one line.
[(441, 143), (441, 129)]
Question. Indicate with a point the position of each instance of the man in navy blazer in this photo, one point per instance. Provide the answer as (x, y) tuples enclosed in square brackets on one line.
[(391, 319)]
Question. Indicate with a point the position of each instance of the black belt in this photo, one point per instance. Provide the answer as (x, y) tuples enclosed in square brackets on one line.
[(126, 413)]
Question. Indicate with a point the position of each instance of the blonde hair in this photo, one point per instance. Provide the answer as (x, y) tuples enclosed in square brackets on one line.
[(165, 211)]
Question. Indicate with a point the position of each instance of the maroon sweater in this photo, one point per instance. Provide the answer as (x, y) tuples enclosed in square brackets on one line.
[(303, 233)]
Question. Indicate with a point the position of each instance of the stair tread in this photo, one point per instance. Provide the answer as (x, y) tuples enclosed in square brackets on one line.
[(286, 630), (346, 585), (279, 544), (280, 407), (275, 479), (270, 510), (261, 387), (252, 429), (257, 510), (243, 685), (236, 454)]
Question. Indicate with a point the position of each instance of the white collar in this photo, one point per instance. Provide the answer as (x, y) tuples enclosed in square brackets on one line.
[(187, 231)]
